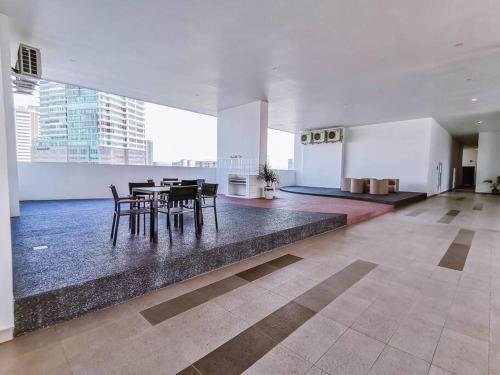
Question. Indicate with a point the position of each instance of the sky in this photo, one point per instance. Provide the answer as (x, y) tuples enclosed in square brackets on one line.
[(179, 134)]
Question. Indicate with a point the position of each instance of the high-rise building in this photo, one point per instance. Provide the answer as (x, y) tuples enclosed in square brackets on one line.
[(149, 152), (26, 130), (84, 125)]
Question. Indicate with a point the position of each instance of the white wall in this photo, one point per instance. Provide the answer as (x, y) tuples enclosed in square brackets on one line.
[(390, 150), (287, 177), (318, 164), (469, 157), (488, 159), (242, 132), (6, 286), (9, 117), (39, 181), (440, 150)]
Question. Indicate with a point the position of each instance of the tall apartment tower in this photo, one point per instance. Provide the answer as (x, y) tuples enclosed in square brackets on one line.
[(27, 121), (84, 125)]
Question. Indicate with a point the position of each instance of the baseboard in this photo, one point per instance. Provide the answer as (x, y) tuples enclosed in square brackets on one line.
[(6, 334)]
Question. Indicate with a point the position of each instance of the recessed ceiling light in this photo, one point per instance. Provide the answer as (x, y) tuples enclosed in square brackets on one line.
[(459, 44), (274, 68), (468, 79), (474, 100), (480, 122)]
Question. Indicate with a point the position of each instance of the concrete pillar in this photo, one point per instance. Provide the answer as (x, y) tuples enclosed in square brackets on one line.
[(9, 116), (6, 285), (241, 140)]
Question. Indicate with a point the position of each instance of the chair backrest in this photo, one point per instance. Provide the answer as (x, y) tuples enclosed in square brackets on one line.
[(209, 190), (170, 179), (115, 193), (182, 193), (132, 185), (151, 181), (189, 182), (200, 181)]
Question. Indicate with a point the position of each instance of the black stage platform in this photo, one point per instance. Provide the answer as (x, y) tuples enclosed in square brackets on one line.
[(81, 271), (400, 199)]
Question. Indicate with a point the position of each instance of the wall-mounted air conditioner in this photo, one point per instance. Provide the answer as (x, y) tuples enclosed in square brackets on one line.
[(318, 136), (28, 70), (333, 135), (28, 61), (305, 138)]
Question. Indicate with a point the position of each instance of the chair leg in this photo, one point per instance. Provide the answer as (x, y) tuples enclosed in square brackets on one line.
[(196, 223), (138, 224), (215, 214), (169, 226), (181, 222), (113, 226), (116, 229)]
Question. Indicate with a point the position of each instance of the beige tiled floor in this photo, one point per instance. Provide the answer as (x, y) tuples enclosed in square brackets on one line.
[(407, 316)]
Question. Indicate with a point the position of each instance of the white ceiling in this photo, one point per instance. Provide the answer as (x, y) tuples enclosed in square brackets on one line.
[(317, 62)]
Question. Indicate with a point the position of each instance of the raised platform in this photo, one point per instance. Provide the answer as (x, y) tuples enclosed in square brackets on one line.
[(400, 199), (80, 271)]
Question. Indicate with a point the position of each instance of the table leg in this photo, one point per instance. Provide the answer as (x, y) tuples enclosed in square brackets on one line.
[(155, 217)]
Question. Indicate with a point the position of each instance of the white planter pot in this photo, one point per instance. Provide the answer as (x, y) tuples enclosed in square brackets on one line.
[(268, 193)]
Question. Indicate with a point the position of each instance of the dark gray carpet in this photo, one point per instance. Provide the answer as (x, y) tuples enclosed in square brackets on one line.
[(81, 270)]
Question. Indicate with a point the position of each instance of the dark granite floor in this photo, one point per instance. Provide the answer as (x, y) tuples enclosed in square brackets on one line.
[(81, 262), (399, 199)]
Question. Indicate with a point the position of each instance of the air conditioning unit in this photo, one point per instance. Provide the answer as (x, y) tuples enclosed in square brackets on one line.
[(28, 61), (305, 138), (318, 136), (334, 135), (28, 70)]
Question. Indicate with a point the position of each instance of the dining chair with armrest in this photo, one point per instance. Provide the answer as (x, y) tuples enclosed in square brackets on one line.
[(174, 206), (143, 197), (134, 210), (209, 192)]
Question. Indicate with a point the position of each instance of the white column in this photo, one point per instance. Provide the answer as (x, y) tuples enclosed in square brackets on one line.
[(241, 140), (9, 116), (488, 156), (6, 286)]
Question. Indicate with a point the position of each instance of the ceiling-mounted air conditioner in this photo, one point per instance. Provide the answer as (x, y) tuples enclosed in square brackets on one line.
[(333, 135), (305, 138), (318, 136)]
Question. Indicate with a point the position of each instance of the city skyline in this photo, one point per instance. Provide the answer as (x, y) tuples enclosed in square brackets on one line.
[(89, 126), (170, 136)]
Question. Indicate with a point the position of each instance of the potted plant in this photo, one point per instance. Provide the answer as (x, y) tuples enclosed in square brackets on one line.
[(270, 178), (493, 185)]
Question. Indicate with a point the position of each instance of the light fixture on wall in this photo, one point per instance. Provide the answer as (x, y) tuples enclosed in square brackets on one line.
[(480, 122), (474, 100)]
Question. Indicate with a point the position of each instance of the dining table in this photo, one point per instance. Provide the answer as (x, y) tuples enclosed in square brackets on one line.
[(155, 192)]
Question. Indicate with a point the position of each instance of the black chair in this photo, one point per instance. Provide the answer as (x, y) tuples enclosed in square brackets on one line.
[(209, 191), (189, 182), (170, 181), (144, 199), (151, 181), (174, 206), (134, 211), (200, 182)]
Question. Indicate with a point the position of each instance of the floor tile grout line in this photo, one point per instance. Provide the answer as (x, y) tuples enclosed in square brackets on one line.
[(297, 259), (361, 276)]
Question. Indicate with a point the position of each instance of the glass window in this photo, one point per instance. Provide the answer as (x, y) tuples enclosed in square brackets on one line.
[(63, 122), (280, 149)]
